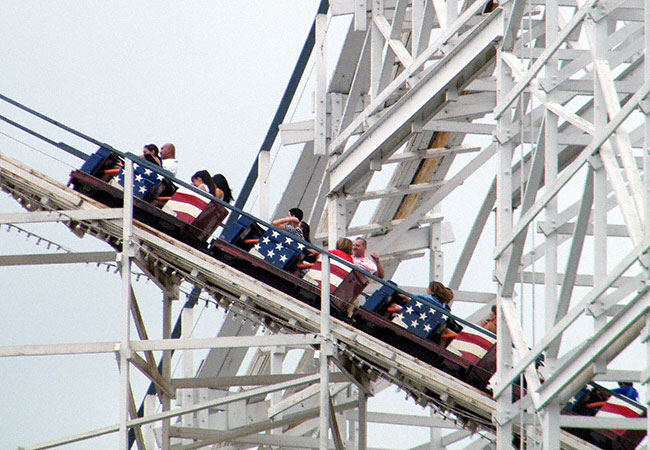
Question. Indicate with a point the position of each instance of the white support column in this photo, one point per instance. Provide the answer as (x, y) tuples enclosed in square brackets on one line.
[(435, 435), (168, 297), (325, 351), (646, 178), (320, 115), (186, 399), (363, 421), (504, 227), (436, 259), (264, 165), (277, 355), (125, 349), (646, 109), (336, 218), (551, 414), (150, 402), (376, 49), (600, 179)]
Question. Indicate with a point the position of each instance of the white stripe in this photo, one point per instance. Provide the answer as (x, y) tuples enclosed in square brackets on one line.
[(315, 275), (474, 332), (172, 207), (613, 400), (456, 347)]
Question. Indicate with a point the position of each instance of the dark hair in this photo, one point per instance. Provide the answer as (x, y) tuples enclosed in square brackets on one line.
[(296, 212), (204, 175), (152, 148), (441, 292), (345, 245), (304, 226), (221, 183), (365, 243)]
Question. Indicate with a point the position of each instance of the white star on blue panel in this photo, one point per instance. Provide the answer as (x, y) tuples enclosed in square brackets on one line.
[(147, 172), (160, 177), (423, 316), (142, 189), (414, 324), (287, 240), (275, 234), (400, 316), (409, 310), (265, 240), (278, 246), (283, 258), (138, 178), (270, 254), (135, 166), (432, 311), (300, 246), (427, 328), (418, 304), (257, 247)]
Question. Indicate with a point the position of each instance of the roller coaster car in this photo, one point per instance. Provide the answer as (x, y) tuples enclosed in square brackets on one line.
[(422, 325), (593, 400), (186, 216), (281, 254), (470, 357)]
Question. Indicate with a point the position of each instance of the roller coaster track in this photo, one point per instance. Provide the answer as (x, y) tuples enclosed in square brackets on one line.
[(36, 192)]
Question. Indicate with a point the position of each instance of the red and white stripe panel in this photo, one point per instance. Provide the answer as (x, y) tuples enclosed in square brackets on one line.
[(338, 272), (471, 345), (617, 407), (185, 204)]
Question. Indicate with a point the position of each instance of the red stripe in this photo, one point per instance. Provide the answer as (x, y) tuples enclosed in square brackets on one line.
[(339, 271), (619, 410), (471, 357), (185, 217), (474, 339), (190, 199)]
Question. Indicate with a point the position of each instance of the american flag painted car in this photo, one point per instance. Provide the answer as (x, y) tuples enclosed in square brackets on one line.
[(185, 204), (471, 345), (278, 249), (419, 317), (144, 179)]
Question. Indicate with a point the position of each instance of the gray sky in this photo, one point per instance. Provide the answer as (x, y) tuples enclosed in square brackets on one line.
[(204, 75)]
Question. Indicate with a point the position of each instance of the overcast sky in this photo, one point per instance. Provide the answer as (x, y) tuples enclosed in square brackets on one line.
[(205, 75)]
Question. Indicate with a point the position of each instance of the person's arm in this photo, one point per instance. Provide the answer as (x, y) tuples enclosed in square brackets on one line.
[(380, 268), (280, 223)]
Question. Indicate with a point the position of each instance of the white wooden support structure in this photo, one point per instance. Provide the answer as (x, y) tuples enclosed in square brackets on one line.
[(505, 146)]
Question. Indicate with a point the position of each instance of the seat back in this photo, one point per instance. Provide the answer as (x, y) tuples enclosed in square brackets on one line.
[(95, 161), (185, 204), (377, 298), (419, 317), (617, 407), (278, 249), (338, 272), (471, 344), (208, 220)]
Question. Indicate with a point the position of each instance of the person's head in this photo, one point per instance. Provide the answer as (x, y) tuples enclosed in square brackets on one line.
[(625, 383), (204, 177), (345, 245), (221, 183), (304, 226), (296, 212), (150, 149), (168, 151), (359, 247), (441, 292)]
